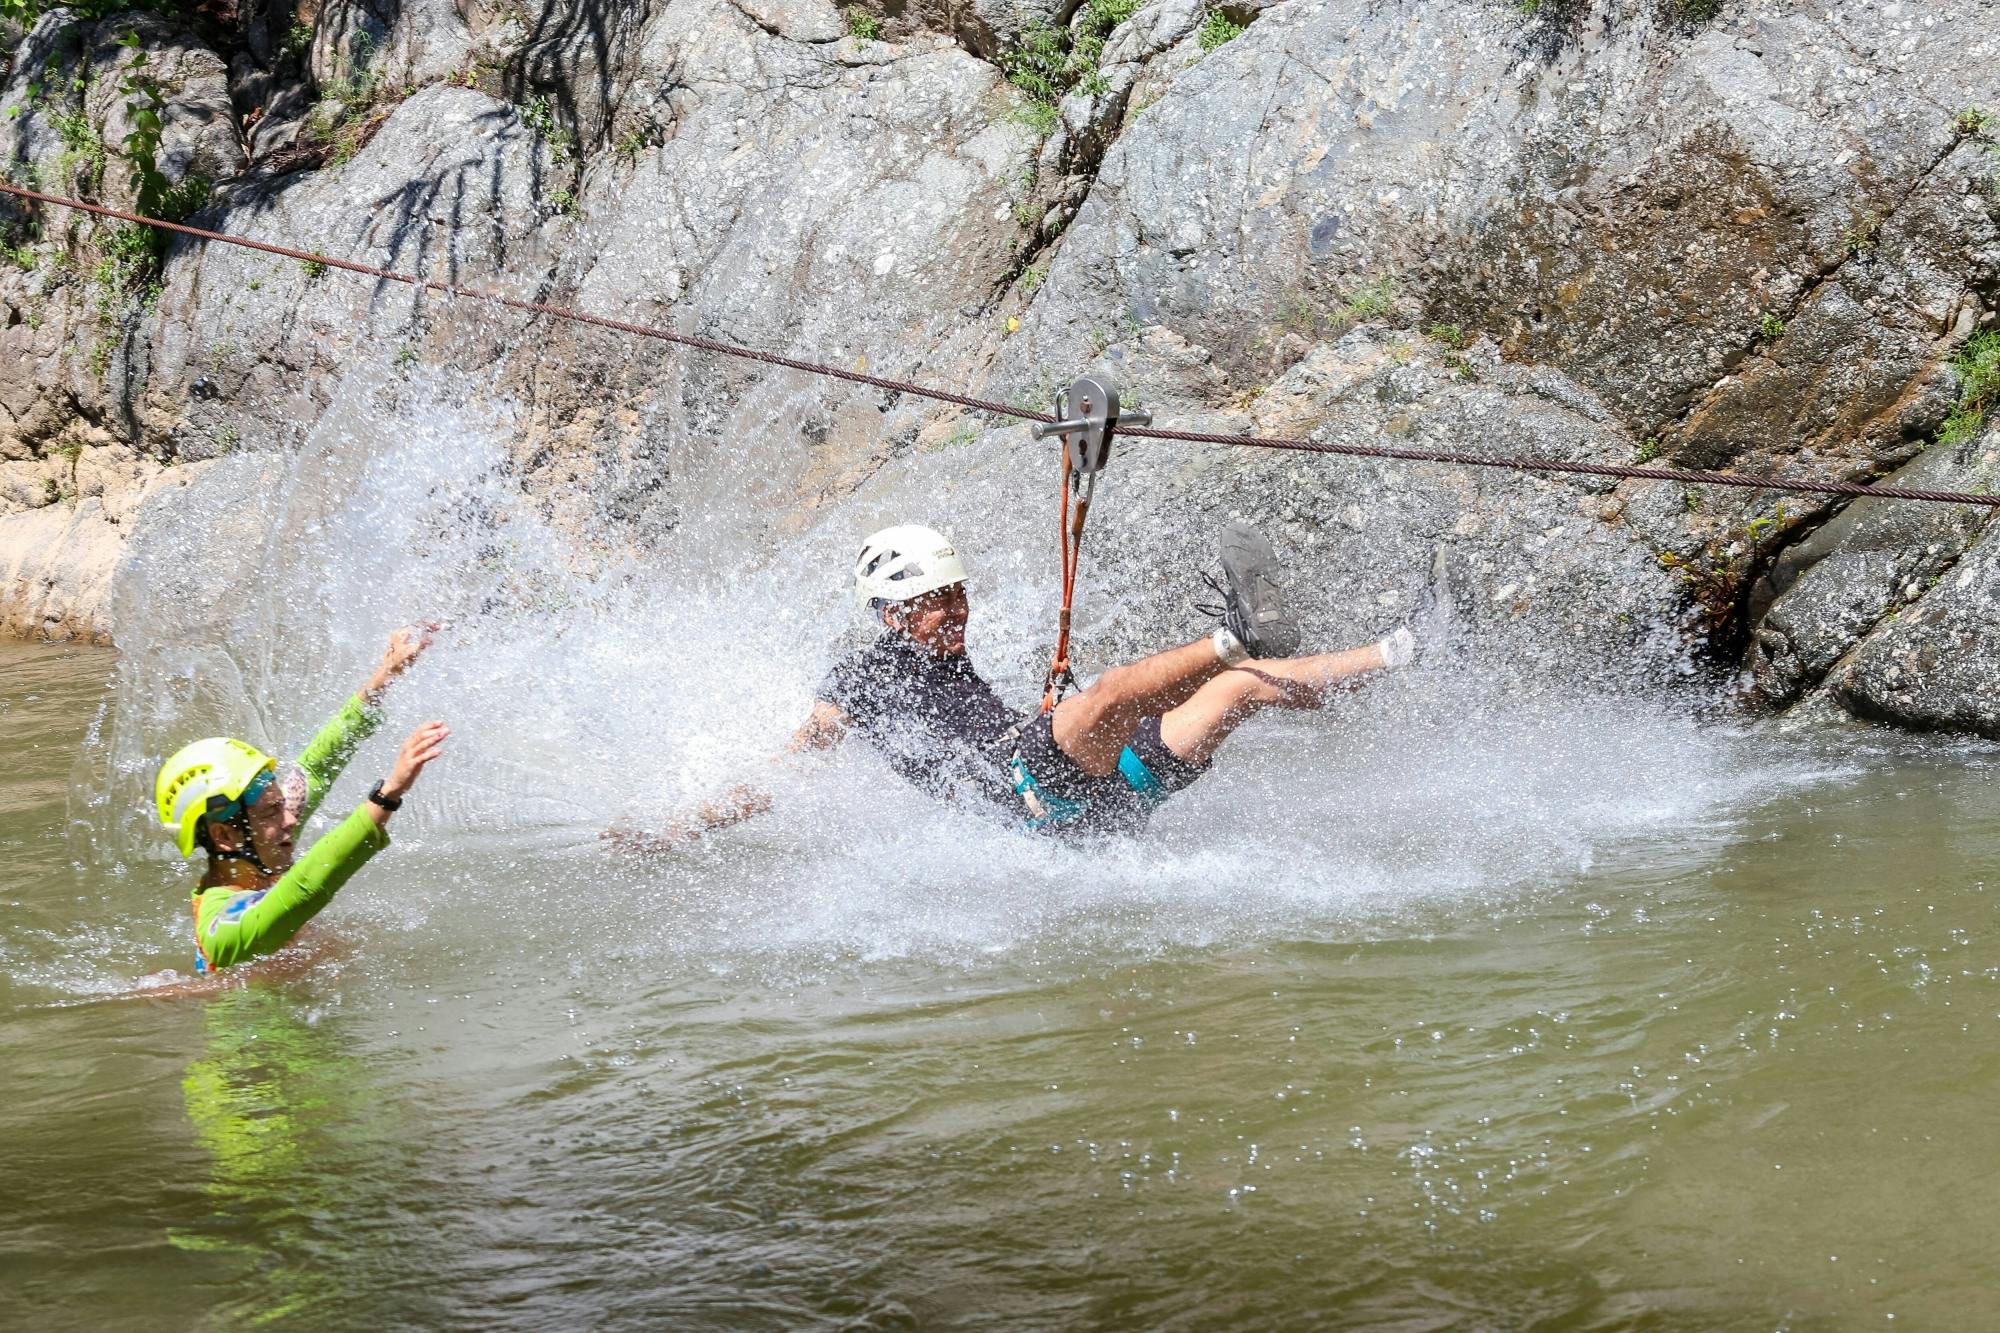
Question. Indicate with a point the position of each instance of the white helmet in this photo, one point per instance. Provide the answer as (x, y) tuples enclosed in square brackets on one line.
[(905, 561)]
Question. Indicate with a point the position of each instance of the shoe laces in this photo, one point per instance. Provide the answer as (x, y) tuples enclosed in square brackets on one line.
[(1217, 609)]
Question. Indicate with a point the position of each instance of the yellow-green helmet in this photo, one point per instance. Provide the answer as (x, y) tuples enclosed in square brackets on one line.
[(217, 766)]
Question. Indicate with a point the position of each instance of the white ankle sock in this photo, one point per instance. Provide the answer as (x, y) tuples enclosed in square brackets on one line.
[(1228, 647), (1399, 649)]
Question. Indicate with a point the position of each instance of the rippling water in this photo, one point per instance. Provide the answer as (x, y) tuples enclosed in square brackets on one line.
[(1693, 1030), (1476, 1001)]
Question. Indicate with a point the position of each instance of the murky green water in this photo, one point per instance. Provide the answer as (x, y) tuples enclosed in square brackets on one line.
[(1736, 1074)]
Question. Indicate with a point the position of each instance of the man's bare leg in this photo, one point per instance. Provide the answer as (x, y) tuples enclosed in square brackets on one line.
[(1093, 727), (1229, 698)]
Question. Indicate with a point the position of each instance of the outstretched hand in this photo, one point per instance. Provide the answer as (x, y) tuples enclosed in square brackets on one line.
[(423, 745), (406, 645), (732, 807), (629, 838)]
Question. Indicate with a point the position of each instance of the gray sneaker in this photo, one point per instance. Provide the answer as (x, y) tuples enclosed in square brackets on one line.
[(1253, 605)]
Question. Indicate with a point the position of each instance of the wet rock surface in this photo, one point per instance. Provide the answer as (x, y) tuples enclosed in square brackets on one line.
[(1609, 232)]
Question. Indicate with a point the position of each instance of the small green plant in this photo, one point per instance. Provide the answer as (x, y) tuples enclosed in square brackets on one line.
[(1047, 62), (563, 201), (1973, 120), (1648, 451), (630, 144), (313, 268), (298, 38), (358, 85), (1757, 527), (1026, 215), (963, 434), (1099, 340), (406, 356), (1690, 501), (863, 26), (1700, 10), (145, 102), (255, 284), (50, 491), (541, 116), (1298, 315), (21, 256), (1771, 326), (80, 165), (1450, 335), (1217, 29), (1977, 366), (1859, 239), (126, 259), (1031, 277), (1371, 300), (228, 437), (100, 355), (1460, 367), (1529, 7)]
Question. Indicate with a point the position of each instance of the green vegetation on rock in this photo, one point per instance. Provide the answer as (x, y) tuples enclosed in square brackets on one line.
[(1217, 29), (863, 26), (1977, 366), (1048, 62), (540, 116)]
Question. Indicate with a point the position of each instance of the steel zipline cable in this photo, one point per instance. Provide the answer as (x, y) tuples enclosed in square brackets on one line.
[(1519, 464)]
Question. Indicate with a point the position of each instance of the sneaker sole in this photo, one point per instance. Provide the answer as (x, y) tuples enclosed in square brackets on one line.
[(1251, 568)]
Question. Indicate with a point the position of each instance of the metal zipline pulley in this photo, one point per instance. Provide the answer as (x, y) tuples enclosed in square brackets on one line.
[(1087, 416)]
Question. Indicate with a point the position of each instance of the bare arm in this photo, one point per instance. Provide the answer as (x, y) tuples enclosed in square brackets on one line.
[(821, 731)]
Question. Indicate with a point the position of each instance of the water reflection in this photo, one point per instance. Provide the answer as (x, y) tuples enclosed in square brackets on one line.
[(300, 1152)]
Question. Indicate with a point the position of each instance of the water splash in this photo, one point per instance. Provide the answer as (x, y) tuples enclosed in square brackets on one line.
[(586, 682)]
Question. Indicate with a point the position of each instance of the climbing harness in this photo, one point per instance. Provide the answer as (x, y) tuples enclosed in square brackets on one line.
[(1046, 810), (1786, 485)]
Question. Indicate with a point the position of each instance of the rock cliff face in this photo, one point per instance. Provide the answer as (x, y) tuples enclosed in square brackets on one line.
[(1759, 235)]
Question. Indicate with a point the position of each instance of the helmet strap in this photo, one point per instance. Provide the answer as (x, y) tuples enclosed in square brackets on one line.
[(239, 819)]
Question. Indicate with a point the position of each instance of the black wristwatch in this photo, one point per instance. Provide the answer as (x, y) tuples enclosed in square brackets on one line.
[(389, 803)]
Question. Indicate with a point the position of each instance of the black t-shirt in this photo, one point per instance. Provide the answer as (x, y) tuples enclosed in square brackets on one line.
[(932, 717)]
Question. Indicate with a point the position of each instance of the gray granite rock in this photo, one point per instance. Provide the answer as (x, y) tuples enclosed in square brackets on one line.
[(1936, 665), (1824, 594), (1751, 243)]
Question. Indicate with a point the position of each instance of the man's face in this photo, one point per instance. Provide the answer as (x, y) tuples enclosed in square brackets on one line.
[(272, 819), (935, 620)]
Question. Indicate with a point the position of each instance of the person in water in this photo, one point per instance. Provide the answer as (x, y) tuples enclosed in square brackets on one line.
[(1102, 760), (225, 797)]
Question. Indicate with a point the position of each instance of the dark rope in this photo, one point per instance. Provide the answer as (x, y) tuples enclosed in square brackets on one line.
[(1521, 464)]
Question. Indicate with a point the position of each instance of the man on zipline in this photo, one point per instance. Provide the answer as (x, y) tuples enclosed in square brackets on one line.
[(225, 796), (1100, 761)]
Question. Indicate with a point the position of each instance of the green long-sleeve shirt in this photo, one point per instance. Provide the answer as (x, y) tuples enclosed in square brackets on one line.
[(235, 925)]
